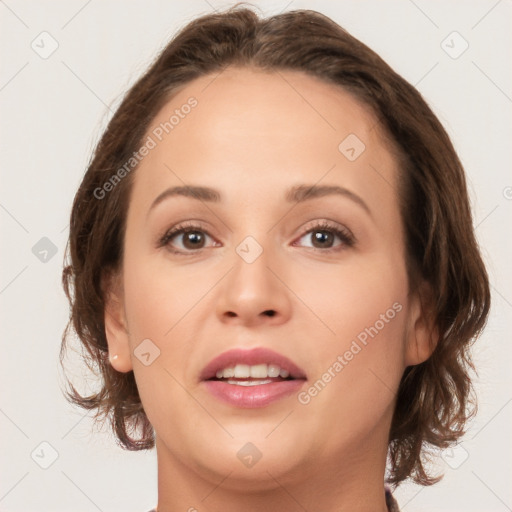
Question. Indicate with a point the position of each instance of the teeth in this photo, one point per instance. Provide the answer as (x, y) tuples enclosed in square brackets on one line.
[(257, 371), (242, 371), (273, 370), (229, 372), (249, 382)]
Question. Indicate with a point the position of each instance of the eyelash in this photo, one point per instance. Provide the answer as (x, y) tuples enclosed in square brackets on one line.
[(343, 234)]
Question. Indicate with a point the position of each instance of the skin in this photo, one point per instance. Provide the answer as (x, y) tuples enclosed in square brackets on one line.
[(252, 136)]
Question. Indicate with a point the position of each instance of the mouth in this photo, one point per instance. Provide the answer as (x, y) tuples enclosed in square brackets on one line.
[(252, 378)]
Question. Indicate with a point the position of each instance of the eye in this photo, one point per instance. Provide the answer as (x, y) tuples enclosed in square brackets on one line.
[(190, 237), (323, 235)]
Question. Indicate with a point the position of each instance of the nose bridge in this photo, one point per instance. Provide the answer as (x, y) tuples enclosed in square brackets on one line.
[(252, 291), (252, 277)]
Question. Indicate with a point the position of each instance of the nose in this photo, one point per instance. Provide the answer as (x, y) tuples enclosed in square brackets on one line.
[(254, 292)]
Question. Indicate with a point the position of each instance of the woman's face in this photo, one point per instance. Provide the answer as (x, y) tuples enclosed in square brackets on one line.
[(320, 280)]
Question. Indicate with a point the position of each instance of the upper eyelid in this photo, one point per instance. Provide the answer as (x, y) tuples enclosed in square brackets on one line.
[(198, 225)]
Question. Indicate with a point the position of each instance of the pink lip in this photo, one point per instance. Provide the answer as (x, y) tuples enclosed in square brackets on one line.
[(252, 396)]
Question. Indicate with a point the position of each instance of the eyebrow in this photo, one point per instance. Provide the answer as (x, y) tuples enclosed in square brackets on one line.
[(296, 194)]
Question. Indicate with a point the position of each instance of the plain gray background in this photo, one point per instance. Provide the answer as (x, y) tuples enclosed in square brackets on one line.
[(53, 110)]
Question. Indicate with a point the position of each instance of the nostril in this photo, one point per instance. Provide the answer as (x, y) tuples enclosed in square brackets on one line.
[(270, 312)]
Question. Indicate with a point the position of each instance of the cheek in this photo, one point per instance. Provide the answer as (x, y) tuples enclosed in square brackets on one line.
[(358, 369), (159, 302), (160, 297), (355, 300)]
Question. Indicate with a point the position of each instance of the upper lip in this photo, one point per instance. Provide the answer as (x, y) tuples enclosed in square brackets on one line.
[(253, 356)]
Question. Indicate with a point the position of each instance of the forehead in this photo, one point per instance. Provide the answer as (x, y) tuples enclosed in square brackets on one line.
[(273, 103), (256, 127)]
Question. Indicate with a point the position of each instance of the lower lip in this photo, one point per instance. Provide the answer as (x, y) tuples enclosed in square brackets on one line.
[(250, 397)]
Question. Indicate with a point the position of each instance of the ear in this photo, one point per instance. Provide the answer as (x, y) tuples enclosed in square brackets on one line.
[(116, 328), (423, 332)]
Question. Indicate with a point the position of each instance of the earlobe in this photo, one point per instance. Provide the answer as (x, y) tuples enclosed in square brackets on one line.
[(116, 330), (423, 335)]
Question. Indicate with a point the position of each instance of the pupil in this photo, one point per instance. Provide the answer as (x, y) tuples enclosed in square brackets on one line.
[(193, 237), (322, 236)]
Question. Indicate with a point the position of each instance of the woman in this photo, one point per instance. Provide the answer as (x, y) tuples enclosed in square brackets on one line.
[(273, 267)]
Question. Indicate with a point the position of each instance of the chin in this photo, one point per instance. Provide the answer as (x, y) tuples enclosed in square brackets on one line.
[(263, 476), (252, 462)]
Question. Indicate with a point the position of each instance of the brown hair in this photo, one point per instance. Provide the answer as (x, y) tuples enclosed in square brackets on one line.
[(435, 398)]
